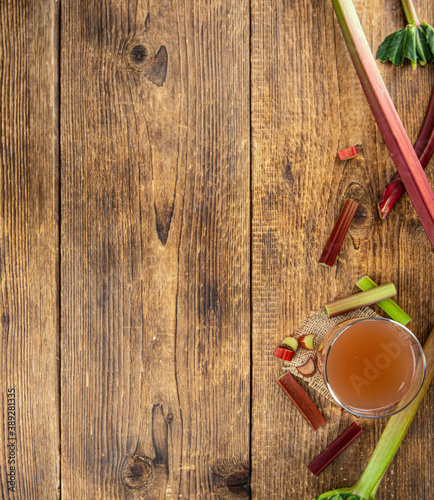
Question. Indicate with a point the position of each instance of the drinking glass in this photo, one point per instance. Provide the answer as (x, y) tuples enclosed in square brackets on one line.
[(373, 367)]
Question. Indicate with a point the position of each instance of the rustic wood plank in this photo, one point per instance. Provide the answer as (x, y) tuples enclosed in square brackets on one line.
[(306, 105), (29, 395), (155, 249)]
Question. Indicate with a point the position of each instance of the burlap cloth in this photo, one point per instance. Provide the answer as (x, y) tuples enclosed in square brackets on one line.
[(318, 323)]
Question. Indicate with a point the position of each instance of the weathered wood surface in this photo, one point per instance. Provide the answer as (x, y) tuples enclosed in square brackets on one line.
[(155, 294), (29, 334), (306, 105), (198, 184)]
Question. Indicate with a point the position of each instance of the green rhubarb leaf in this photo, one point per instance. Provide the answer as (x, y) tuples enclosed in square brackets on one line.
[(429, 33), (392, 49), (335, 495), (413, 43)]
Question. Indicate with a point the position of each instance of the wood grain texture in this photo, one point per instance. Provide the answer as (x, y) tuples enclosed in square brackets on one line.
[(29, 395), (155, 249), (183, 260), (306, 105)]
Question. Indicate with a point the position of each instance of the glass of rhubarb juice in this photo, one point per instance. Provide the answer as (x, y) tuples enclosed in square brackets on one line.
[(373, 367)]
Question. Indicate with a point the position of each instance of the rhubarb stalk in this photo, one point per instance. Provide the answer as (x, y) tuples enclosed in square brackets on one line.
[(388, 305), (332, 451), (395, 189), (340, 229), (302, 401), (386, 116), (424, 145), (361, 299), (367, 486)]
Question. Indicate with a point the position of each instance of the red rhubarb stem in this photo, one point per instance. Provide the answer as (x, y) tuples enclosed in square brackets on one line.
[(425, 133), (424, 148), (332, 451), (302, 401), (340, 229)]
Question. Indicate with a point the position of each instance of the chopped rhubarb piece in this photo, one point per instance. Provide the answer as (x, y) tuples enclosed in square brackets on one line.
[(290, 342), (388, 305), (335, 449), (286, 349), (348, 153), (338, 233), (306, 341), (308, 369), (302, 401), (360, 299), (283, 353)]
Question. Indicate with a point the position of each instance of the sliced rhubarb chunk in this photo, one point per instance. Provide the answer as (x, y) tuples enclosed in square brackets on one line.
[(306, 341), (335, 449), (338, 233), (290, 342), (283, 353), (348, 153), (302, 401), (308, 369)]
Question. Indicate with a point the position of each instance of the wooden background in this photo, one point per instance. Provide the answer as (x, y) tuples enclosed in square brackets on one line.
[(168, 179)]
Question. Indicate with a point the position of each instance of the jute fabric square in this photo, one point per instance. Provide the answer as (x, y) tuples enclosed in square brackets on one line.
[(318, 323)]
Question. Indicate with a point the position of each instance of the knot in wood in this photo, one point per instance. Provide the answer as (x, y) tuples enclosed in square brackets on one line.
[(239, 483), (140, 55), (231, 478), (5, 320), (362, 216), (139, 472), (363, 222)]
